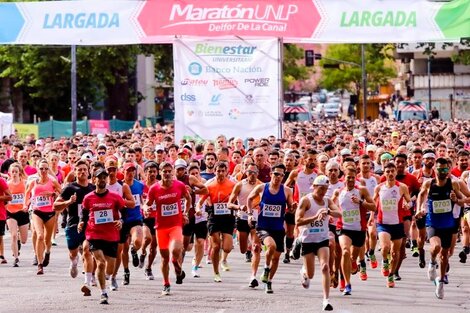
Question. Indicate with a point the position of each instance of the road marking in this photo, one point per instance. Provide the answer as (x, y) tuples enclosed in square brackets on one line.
[(220, 311)]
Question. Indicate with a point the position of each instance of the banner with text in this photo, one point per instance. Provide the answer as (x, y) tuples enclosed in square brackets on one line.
[(99, 127), (228, 87), (133, 22)]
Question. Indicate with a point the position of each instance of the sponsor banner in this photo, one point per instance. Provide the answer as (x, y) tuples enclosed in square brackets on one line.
[(228, 87), (99, 127), (6, 124), (23, 130), (155, 21)]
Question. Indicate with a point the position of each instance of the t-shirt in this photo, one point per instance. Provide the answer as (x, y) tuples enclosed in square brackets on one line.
[(103, 211), (3, 188), (75, 209)]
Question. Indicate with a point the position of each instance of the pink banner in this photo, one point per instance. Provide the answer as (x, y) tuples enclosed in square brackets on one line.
[(99, 127), (213, 18)]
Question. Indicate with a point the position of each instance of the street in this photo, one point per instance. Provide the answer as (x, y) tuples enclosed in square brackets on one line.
[(23, 291)]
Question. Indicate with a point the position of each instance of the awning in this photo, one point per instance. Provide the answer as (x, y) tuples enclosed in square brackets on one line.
[(294, 109)]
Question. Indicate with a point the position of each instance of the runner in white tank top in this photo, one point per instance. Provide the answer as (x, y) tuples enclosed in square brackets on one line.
[(311, 217)]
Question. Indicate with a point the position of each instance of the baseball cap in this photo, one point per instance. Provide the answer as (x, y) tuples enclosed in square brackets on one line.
[(180, 163), (100, 171), (129, 165), (321, 180), (395, 134), (345, 151), (110, 162), (184, 151), (159, 148), (371, 148), (87, 156), (386, 156), (328, 147)]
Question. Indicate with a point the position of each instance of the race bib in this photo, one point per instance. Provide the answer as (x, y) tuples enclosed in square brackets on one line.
[(316, 227), (169, 209), (221, 209), (441, 206), (388, 204), (351, 216), (17, 198), (42, 201), (242, 215), (202, 218), (104, 216), (270, 210), (137, 200)]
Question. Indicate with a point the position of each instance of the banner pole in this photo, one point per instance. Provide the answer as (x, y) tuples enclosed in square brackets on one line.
[(281, 86)]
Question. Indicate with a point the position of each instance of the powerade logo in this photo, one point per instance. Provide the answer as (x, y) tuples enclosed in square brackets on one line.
[(195, 68), (258, 82), (80, 20), (188, 98), (215, 100)]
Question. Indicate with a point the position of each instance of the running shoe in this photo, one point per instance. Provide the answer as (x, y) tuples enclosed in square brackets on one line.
[(54, 243), (354, 267), (194, 271), (114, 284), (2, 260), (326, 305), (104, 298), (73, 270), (347, 290), (166, 290), (15, 263), (373, 261), (40, 269), (248, 256), (149, 274), (363, 273), (217, 278), (396, 276), (208, 260), (47, 257), (286, 259), (385, 269), (225, 267), (304, 280), (422, 261), (432, 273), (35, 261), (295, 252), (415, 251), (446, 279), (253, 283), (135, 258), (142, 260), (265, 276), (439, 288), (391, 281), (342, 285), (86, 290), (268, 288), (180, 277), (463, 257), (407, 244), (126, 280)]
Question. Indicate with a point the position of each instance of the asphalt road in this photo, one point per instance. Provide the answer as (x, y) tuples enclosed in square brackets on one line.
[(21, 290)]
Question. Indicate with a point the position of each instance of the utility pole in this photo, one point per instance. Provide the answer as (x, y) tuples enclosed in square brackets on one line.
[(73, 79), (364, 82)]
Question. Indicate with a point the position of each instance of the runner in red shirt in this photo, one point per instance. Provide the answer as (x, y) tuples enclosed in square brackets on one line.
[(102, 223), (169, 220)]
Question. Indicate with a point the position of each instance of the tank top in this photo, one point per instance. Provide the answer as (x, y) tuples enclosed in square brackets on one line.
[(371, 183), (40, 202), (316, 231), (17, 193), (115, 188), (440, 206), (305, 181), (272, 209), (329, 194), (245, 191), (353, 215), (185, 180), (389, 205)]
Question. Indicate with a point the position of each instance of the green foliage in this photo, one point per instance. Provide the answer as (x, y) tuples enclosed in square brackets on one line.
[(292, 67), (349, 75)]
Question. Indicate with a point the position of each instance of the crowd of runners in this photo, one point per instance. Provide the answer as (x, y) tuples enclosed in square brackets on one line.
[(356, 196)]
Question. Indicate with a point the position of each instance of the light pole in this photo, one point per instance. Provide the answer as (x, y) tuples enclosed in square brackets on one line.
[(73, 79), (429, 84), (364, 82)]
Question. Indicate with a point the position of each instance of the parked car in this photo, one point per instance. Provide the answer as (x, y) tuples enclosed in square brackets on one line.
[(327, 110)]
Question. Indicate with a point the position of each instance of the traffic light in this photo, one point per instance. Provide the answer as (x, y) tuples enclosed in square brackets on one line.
[(309, 57)]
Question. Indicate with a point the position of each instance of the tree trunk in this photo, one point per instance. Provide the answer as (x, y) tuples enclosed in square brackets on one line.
[(5, 96), (18, 102)]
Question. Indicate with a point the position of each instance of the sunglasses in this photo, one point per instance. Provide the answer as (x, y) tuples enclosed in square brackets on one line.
[(43, 168), (443, 170), (101, 153), (251, 172)]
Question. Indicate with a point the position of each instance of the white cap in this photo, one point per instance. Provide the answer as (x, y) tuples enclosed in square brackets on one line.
[(371, 148), (87, 156), (362, 139), (180, 163), (345, 151), (159, 148), (321, 180)]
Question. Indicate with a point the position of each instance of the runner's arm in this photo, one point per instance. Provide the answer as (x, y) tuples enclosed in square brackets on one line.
[(366, 200), (422, 197), (127, 196), (299, 214), (253, 194), (334, 209), (233, 198)]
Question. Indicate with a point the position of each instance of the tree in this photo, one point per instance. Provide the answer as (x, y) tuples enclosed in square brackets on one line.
[(379, 67), (292, 68)]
